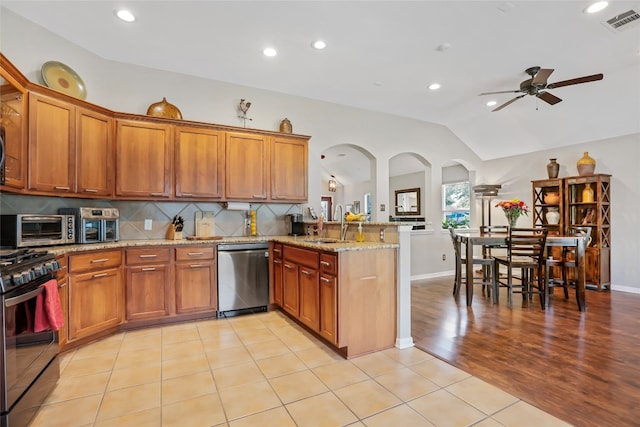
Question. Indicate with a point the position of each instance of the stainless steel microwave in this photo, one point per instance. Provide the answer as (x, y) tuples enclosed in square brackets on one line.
[(95, 225), (26, 230)]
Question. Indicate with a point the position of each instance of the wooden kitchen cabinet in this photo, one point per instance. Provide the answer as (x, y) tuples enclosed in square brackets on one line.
[(143, 159), (51, 144), (301, 290), (94, 152), (276, 273), (96, 300), (13, 117), (246, 167), (289, 169), (195, 284), (290, 288), (199, 163), (328, 298), (62, 277), (148, 288)]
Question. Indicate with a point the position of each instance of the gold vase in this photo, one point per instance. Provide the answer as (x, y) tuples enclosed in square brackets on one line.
[(587, 193), (586, 165)]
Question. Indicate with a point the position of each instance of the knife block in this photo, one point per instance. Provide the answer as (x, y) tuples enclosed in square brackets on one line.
[(172, 234)]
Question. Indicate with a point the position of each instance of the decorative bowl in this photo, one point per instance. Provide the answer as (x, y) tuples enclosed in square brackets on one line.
[(551, 198)]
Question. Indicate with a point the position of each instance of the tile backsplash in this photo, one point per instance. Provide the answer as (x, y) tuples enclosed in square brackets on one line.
[(270, 217)]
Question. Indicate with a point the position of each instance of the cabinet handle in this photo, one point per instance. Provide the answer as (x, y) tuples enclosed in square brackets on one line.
[(369, 278), (324, 279), (325, 263), (61, 285), (99, 275), (100, 260), (277, 261), (157, 194), (186, 195), (148, 256), (277, 251), (289, 266), (195, 253), (259, 196), (62, 188), (196, 265), (90, 190), (306, 273), (149, 269)]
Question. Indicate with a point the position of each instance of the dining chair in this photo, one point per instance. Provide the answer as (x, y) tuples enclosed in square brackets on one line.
[(487, 250), (566, 261), (525, 252), (486, 280)]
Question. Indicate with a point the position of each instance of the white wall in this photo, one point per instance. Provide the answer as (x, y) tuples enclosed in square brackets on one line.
[(130, 88)]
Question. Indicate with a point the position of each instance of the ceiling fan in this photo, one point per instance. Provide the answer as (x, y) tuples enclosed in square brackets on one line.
[(537, 86)]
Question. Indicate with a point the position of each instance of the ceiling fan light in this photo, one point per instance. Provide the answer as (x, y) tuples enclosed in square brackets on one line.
[(596, 7), (491, 103)]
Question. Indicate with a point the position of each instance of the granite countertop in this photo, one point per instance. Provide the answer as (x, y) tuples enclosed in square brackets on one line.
[(326, 244)]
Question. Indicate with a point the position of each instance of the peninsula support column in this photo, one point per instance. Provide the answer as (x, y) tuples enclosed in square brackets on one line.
[(403, 334)]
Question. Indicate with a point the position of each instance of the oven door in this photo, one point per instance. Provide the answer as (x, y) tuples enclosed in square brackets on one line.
[(26, 355), (90, 230), (111, 233)]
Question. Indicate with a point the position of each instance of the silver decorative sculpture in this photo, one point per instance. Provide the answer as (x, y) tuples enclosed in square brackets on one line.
[(244, 107)]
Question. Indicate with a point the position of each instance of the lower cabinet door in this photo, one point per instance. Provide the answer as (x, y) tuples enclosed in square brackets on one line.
[(195, 287), (329, 308), (309, 297), (290, 294), (148, 292)]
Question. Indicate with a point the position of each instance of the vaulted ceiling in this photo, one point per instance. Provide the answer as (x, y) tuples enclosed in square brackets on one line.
[(382, 56)]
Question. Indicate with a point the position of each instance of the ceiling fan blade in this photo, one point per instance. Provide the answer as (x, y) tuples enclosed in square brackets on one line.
[(540, 79), (502, 91), (585, 79), (549, 98), (507, 103)]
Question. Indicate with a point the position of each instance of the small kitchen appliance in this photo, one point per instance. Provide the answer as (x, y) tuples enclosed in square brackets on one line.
[(295, 225), (95, 225), (29, 230)]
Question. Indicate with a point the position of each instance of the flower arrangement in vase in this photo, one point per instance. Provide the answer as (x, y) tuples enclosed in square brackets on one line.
[(513, 209)]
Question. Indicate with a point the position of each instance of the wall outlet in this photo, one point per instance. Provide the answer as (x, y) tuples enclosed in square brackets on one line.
[(382, 234), (148, 224), (444, 257)]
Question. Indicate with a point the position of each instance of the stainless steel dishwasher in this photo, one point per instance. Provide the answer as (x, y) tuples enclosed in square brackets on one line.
[(243, 278)]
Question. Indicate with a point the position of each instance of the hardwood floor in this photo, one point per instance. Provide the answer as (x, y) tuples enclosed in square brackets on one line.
[(583, 368)]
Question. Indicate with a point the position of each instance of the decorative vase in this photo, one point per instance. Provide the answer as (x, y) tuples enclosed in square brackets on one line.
[(553, 168), (587, 193), (551, 198), (285, 126), (586, 165), (553, 216), (164, 109)]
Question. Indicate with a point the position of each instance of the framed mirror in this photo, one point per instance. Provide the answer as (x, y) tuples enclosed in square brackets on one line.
[(408, 202)]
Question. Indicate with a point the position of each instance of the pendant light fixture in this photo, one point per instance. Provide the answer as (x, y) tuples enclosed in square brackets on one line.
[(332, 184)]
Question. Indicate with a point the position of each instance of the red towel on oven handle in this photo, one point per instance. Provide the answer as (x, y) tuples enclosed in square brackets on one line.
[(48, 309)]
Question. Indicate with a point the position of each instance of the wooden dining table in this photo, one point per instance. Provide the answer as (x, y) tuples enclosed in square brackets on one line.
[(471, 238)]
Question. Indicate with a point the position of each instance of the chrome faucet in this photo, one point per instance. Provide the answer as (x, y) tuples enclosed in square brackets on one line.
[(343, 226)]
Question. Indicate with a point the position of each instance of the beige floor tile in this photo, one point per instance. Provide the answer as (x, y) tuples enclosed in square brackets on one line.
[(255, 335), (522, 414), (296, 386), (248, 399), (187, 387), (221, 340), (75, 387), (185, 366), (145, 373), (265, 349), (340, 374), (70, 413), (444, 409), (107, 347), (202, 411), (179, 350), (179, 335), (324, 410), (408, 356), (367, 398), (296, 341), (148, 418), (87, 366), (488, 422), (401, 415), (317, 356), (235, 375), (138, 357), (439, 372), (375, 364), (277, 417), (137, 340), (118, 403), (283, 364), (487, 398), (406, 384), (228, 357)]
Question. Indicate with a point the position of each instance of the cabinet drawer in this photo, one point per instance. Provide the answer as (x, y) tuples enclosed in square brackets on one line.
[(301, 256), (147, 255), (277, 250), (328, 264), (95, 260), (194, 252)]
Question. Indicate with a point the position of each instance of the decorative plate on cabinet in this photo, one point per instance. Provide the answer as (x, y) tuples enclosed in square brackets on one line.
[(62, 78)]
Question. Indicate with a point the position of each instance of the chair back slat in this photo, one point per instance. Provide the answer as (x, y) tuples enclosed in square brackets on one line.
[(527, 242), (495, 229), (454, 241)]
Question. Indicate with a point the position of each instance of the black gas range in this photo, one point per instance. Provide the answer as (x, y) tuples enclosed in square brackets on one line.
[(22, 267)]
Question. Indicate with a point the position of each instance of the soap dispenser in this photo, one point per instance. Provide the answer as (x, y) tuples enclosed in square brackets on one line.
[(360, 233)]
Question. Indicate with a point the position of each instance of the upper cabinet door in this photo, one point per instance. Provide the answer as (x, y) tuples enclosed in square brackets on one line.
[(143, 159), (247, 166), (95, 156), (199, 163), (51, 145), (289, 169), (13, 127)]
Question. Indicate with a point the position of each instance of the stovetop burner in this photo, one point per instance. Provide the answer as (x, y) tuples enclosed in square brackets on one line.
[(19, 267)]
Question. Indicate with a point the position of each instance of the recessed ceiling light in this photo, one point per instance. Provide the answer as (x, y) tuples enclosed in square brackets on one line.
[(434, 86), (377, 83), (596, 7), (491, 103), (269, 51), (318, 44), (125, 15)]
